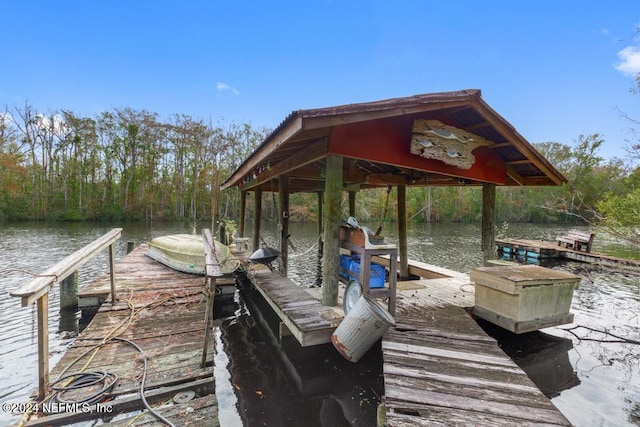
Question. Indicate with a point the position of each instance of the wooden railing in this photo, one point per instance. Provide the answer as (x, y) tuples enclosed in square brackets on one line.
[(212, 270), (37, 291)]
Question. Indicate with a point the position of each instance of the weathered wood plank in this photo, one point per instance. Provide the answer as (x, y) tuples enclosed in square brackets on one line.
[(410, 415), (310, 322), (128, 404), (62, 269), (443, 368), (501, 409), (197, 412), (167, 325)]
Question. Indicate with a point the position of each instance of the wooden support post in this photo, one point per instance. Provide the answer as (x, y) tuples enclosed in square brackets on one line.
[(69, 292), (331, 220), (210, 291), (222, 234), (43, 346), (402, 231), (130, 246), (320, 241), (243, 211), (212, 270), (488, 221), (256, 218), (112, 270), (352, 203), (284, 223), (215, 195)]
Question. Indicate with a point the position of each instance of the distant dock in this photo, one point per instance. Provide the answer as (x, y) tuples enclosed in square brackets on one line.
[(541, 250)]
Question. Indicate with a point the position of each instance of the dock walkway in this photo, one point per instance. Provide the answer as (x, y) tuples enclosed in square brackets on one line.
[(301, 313), (161, 311), (439, 366)]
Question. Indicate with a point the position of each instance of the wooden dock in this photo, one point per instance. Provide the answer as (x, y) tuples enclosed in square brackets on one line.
[(162, 312), (440, 367), (537, 250), (301, 313)]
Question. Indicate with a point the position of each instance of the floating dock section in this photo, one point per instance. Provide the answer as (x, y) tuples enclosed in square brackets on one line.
[(543, 251)]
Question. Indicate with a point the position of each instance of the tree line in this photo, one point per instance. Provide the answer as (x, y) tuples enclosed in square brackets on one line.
[(123, 164), (129, 164)]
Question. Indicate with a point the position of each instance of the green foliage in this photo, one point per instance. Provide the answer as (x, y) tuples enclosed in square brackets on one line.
[(623, 210), (620, 214), (128, 164)]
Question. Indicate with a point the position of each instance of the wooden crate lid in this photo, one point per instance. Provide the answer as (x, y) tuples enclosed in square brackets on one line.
[(513, 278)]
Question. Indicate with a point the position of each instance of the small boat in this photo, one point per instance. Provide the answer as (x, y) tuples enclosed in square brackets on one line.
[(185, 252)]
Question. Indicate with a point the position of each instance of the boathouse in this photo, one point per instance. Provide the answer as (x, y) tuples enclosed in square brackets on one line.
[(436, 139), (439, 365)]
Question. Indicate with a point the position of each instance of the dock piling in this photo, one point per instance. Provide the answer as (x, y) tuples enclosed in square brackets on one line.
[(69, 292)]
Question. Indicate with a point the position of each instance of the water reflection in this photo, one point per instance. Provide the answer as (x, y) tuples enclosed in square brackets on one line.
[(280, 383), (609, 374), (543, 357)]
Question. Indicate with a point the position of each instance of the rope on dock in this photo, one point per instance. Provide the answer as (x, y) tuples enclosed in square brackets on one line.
[(84, 379)]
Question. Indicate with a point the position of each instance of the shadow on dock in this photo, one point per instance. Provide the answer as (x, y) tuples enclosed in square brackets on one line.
[(543, 357)]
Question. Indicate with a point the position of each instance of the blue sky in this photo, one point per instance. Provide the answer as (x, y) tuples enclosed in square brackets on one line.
[(554, 69)]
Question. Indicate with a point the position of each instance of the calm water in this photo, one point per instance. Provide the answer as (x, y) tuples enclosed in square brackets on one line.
[(592, 383)]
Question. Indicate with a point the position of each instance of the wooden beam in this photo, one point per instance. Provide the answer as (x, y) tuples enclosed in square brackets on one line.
[(402, 232), (283, 182), (261, 155), (513, 174), (314, 152), (257, 213), (488, 221), (212, 271), (243, 212), (378, 179), (112, 275), (331, 220), (43, 346), (519, 162), (524, 147), (501, 145), (39, 286), (352, 203), (320, 223), (349, 117)]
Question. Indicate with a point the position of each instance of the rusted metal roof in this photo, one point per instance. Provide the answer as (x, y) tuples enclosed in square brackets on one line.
[(374, 138)]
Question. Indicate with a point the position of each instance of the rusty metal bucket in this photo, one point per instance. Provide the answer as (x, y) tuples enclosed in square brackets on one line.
[(365, 323)]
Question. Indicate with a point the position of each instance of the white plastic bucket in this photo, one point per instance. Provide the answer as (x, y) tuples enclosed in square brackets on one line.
[(366, 322)]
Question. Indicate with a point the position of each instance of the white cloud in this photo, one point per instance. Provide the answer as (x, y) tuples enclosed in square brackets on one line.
[(222, 87), (629, 60)]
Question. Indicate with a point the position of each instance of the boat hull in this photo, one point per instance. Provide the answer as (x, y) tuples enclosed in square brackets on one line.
[(185, 252)]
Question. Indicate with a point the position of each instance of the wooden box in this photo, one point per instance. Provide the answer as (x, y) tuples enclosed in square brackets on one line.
[(352, 235), (523, 298)]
